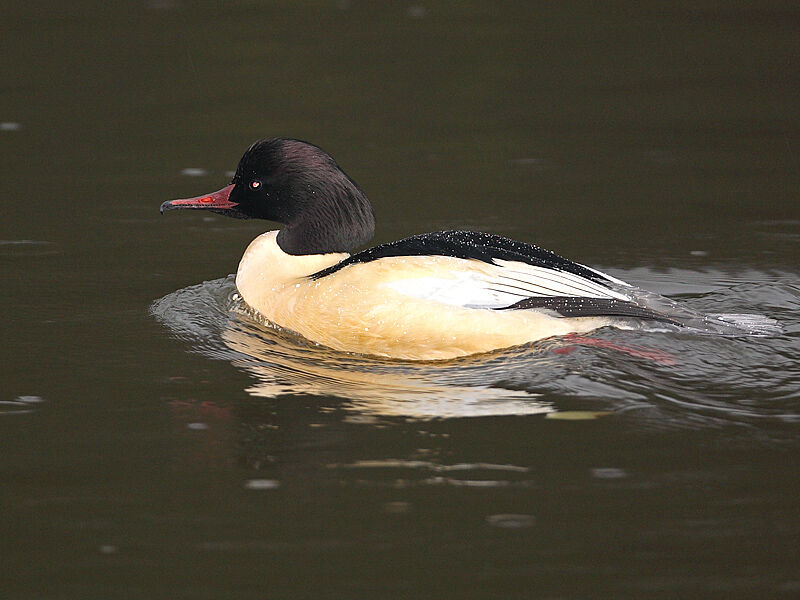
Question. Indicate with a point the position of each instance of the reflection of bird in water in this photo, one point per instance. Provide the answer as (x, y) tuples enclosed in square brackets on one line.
[(369, 386), (432, 296)]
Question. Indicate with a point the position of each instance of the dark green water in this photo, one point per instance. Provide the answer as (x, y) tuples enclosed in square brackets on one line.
[(177, 450)]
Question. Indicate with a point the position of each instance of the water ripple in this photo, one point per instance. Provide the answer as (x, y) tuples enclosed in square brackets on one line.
[(658, 378), (20, 405)]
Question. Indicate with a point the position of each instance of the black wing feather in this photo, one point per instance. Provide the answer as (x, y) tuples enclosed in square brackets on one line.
[(568, 306), (468, 244)]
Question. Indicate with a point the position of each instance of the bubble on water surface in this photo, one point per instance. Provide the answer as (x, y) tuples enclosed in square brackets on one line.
[(194, 172), (608, 473), (27, 248), (533, 163), (511, 521), (396, 508), (262, 484)]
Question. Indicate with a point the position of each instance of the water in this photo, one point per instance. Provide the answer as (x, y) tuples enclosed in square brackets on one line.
[(660, 378), (156, 442)]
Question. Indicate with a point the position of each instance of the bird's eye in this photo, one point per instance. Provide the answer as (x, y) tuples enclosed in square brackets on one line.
[(255, 184)]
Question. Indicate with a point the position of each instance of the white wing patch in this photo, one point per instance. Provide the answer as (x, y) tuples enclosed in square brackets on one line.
[(500, 284), (469, 290), (606, 275), (542, 281)]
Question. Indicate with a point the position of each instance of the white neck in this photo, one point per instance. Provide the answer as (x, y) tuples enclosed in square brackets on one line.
[(265, 269)]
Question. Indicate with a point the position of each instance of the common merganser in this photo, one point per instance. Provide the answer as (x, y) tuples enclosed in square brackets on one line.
[(431, 296)]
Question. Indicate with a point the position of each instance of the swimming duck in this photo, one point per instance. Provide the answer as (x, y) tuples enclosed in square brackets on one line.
[(431, 296)]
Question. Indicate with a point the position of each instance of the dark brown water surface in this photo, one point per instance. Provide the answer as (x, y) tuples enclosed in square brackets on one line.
[(156, 443)]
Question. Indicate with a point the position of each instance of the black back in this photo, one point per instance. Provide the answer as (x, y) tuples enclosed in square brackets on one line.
[(468, 244)]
